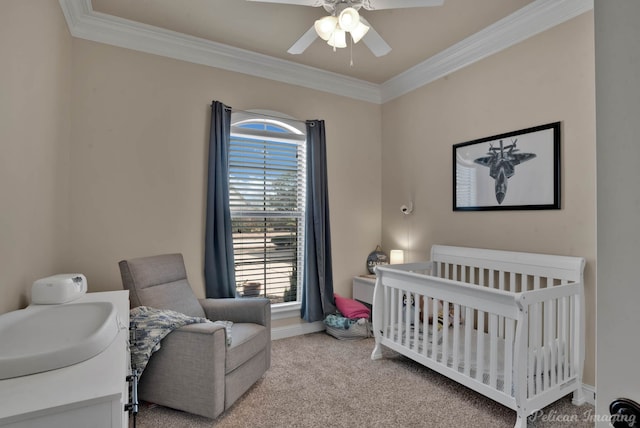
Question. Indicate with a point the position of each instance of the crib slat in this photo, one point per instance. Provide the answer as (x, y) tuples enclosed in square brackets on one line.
[(565, 337), (501, 285), (467, 341), (389, 311), (456, 336), (463, 278), (537, 346), (548, 341), (445, 332), (508, 355), (434, 330), (385, 311), (573, 330), (480, 347), (406, 308), (555, 349), (398, 314), (550, 369), (425, 325), (537, 337), (533, 322), (416, 322), (493, 350)]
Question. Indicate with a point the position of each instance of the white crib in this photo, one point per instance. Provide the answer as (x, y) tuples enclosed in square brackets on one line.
[(508, 325)]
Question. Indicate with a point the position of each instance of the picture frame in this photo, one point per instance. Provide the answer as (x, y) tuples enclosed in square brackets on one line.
[(517, 170)]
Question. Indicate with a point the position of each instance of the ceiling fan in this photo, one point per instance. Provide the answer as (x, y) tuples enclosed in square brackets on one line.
[(344, 18)]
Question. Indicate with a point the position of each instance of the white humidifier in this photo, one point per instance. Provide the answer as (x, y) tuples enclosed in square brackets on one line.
[(57, 289)]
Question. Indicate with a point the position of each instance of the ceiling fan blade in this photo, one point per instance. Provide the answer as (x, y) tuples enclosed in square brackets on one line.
[(314, 3), (303, 42), (374, 41), (399, 4)]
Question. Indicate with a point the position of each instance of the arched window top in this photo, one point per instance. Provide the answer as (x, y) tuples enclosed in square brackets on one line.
[(268, 124)]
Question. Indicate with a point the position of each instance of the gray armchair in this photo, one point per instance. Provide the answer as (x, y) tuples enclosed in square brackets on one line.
[(194, 370)]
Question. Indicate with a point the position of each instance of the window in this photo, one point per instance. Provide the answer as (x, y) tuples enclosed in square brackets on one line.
[(267, 186)]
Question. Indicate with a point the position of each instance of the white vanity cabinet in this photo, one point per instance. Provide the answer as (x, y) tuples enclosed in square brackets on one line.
[(92, 393)]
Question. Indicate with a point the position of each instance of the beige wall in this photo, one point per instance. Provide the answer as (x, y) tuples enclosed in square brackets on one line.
[(35, 51), (131, 180), (545, 79), (139, 144)]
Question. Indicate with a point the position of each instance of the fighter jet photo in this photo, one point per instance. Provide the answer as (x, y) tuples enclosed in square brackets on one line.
[(501, 163)]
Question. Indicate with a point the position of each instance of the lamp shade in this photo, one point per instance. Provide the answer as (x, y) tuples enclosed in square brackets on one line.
[(396, 257), (348, 19), (326, 26), (358, 33), (338, 39)]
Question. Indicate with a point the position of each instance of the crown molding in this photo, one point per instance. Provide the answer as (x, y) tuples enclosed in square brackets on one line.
[(532, 19), (85, 23)]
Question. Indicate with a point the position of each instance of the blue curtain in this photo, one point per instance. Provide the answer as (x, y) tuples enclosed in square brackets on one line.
[(219, 273), (317, 294)]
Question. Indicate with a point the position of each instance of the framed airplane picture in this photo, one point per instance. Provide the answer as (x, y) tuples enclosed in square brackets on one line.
[(517, 170)]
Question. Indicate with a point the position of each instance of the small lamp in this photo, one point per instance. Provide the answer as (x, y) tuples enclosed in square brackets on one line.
[(396, 257)]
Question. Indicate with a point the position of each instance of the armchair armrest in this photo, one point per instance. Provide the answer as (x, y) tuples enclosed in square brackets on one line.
[(200, 328), (191, 360), (238, 310)]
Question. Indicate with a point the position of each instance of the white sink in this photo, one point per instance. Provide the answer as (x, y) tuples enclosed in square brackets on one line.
[(47, 337)]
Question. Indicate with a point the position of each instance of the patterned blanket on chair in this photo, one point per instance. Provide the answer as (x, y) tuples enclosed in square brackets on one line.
[(152, 325)]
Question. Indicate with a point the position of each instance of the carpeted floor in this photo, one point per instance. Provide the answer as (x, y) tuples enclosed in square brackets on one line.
[(318, 381)]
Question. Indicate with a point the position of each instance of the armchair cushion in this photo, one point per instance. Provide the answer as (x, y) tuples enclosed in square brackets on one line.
[(160, 282), (248, 340)]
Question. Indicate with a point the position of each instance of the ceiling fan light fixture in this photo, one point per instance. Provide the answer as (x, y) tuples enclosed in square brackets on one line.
[(326, 26), (359, 32), (349, 19), (338, 39)]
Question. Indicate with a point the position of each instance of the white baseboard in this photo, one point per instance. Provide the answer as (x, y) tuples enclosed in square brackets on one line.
[(589, 393), (296, 330)]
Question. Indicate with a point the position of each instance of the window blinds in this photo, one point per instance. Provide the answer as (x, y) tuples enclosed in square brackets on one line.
[(267, 183)]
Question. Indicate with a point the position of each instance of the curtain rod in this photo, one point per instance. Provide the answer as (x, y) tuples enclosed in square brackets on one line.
[(233, 110)]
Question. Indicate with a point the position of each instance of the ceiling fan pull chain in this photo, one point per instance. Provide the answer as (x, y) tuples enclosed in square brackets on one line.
[(351, 52)]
